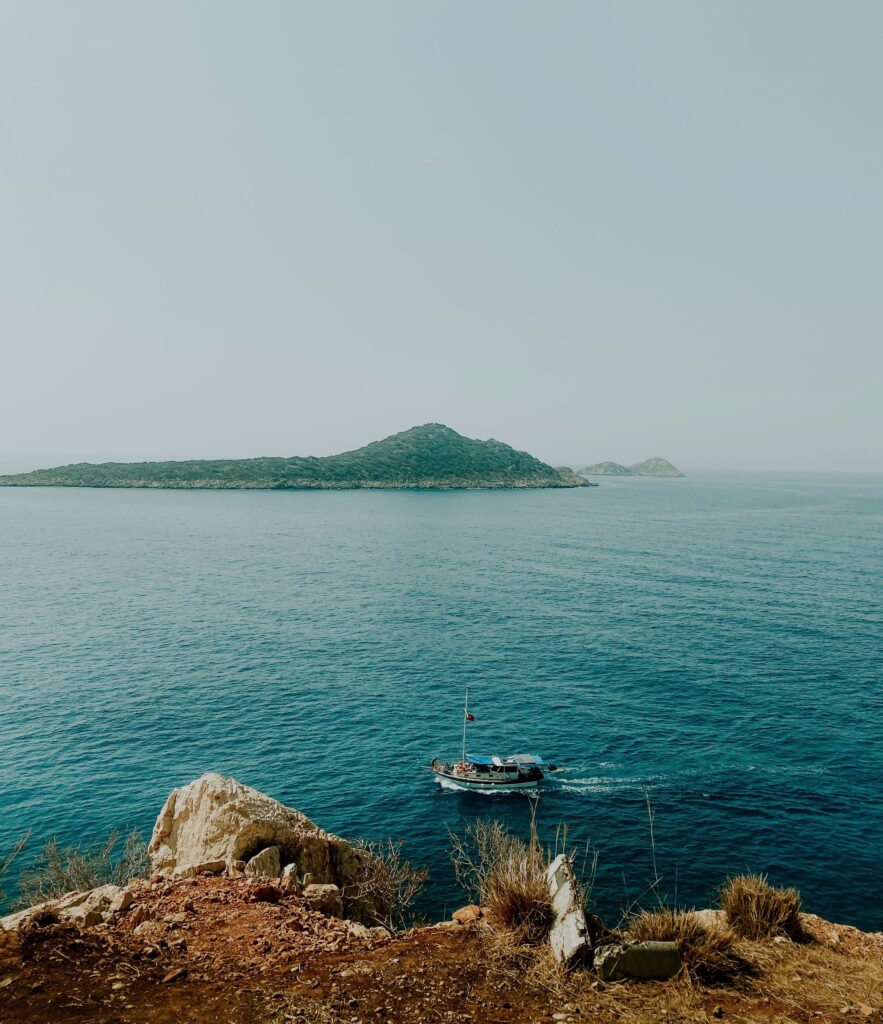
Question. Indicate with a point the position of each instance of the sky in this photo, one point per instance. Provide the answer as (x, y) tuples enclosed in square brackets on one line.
[(593, 230)]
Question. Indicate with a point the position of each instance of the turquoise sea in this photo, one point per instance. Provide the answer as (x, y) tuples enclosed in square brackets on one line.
[(714, 642)]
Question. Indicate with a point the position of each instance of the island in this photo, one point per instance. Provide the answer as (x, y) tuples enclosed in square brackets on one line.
[(424, 457), (649, 467)]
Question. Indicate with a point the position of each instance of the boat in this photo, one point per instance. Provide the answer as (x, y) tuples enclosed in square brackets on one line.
[(490, 771)]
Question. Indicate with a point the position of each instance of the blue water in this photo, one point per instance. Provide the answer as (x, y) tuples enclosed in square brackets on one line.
[(714, 642)]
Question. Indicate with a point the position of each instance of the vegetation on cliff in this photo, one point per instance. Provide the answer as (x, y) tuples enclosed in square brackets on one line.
[(428, 456)]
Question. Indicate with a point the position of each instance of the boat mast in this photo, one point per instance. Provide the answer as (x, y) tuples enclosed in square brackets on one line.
[(465, 720)]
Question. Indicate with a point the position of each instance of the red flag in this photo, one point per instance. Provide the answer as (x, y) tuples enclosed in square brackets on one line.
[(470, 717)]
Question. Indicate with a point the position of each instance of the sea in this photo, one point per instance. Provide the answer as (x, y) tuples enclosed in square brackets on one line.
[(704, 655)]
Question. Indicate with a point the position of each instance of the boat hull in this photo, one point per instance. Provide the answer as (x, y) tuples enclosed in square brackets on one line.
[(485, 785)]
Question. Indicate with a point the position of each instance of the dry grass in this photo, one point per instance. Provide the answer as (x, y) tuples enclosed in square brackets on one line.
[(387, 882), (6, 863), (73, 869), (754, 909), (707, 953), (507, 876)]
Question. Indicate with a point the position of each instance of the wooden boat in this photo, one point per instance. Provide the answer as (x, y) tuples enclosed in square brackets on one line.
[(490, 771)]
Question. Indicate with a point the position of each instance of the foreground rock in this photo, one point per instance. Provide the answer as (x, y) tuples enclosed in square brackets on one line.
[(569, 934), (658, 960), (83, 909), (216, 824)]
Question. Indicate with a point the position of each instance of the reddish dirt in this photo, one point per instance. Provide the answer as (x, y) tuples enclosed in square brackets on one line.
[(232, 951)]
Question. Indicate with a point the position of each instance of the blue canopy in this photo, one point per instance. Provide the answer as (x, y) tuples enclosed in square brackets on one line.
[(479, 759)]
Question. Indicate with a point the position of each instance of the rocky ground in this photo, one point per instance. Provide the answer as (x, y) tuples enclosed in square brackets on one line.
[(221, 950)]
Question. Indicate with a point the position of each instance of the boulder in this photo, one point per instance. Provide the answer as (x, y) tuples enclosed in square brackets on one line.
[(210, 867), (215, 820), (637, 960), (466, 914), (265, 864), (324, 898), (569, 933)]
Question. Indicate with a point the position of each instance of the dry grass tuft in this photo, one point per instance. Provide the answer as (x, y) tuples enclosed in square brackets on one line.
[(707, 953), (757, 910), (508, 876)]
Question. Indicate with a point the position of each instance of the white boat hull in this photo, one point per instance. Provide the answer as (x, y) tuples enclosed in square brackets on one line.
[(485, 785)]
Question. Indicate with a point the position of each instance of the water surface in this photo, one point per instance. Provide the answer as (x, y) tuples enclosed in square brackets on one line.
[(714, 642)]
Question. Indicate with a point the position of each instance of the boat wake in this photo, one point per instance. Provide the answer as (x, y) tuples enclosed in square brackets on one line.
[(586, 779)]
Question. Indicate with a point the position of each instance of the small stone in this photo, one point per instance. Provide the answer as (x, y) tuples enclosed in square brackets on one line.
[(187, 904), (290, 880), (6, 983), (122, 902), (464, 915), (865, 1010), (326, 899)]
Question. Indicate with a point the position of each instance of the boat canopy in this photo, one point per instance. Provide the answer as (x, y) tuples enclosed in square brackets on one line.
[(526, 759), (493, 759)]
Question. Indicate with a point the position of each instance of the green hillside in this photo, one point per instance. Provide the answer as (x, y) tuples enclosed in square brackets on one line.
[(432, 455)]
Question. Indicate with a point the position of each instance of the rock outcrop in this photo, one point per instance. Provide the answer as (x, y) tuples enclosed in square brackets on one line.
[(215, 823), (79, 908)]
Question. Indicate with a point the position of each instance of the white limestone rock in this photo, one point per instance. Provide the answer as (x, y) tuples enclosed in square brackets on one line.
[(569, 934), (290, 881), (265, 864), (215, 819), (80, 908)]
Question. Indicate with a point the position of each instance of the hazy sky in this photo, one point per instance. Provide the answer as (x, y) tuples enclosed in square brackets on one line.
[(592, 230)]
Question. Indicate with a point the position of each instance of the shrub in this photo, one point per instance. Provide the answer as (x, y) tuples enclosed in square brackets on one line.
[(757, 910), (387, 883), (73, 869), (707, 953), (507, 876)]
